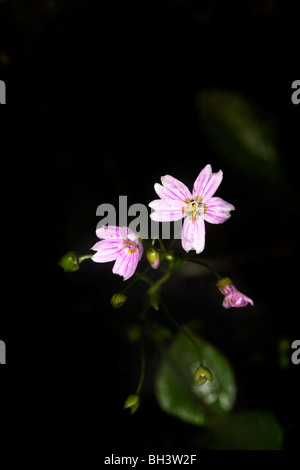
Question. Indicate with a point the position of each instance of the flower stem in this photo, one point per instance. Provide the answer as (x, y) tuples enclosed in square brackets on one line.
[(155, 287), (143, 367), (161, 280), (201, 263), (137, 278), (182, 330), (84, 257), (174, 238), (161, 244)]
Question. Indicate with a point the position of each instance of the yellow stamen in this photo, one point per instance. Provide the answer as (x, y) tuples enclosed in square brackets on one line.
[(194, 207)]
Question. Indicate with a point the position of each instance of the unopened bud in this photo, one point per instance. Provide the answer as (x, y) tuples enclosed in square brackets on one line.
[(153, 258), (118, 300), (132, 402), (169, 256), (69, 262), (202, 375)]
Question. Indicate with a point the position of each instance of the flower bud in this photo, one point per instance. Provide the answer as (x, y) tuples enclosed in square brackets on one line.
[(170, 257), (132, 402), (118, 300), (202, 375), (153, 258), (69, 262), (232, 296)]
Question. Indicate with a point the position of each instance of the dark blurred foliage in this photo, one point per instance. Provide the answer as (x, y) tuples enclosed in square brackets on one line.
[(102, 101)]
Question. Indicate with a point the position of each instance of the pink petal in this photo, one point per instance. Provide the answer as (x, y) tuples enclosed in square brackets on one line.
[(165, 212), (207, 183), (217, 210), (166, 216), (172, 189), (193, 235), (111, 231), (106, 251), (234, 298), (126, 264), (106, 244), (167, 203), (226, 303), (175, 188), (247, 300)]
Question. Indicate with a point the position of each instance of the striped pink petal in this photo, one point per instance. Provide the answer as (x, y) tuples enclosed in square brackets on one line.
[(217, 210), (207, 183), (193, 234), (166, 211), (126, 264)]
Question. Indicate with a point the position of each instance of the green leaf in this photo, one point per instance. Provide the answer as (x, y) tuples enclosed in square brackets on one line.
[(241, 131), (175, 389), (252, 430)]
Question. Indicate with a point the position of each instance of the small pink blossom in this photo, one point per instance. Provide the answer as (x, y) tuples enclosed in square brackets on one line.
[(233, 297), (177, 202), (121, 245)]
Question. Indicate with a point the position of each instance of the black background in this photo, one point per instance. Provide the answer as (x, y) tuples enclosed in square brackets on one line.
[(100, 103)]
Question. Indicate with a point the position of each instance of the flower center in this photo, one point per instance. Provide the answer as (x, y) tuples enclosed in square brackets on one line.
[(131, 246), (194, 209)]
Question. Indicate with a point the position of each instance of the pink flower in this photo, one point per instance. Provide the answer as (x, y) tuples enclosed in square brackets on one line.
[(120, 244), (233, 297), (177, 202)]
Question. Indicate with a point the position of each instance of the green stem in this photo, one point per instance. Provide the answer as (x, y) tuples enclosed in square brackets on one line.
[(183, 330), (161, 280), (145, 308), (171, 244), (201, 263), (153, 290), (143, 367), (137, 278), (84, 257), (161, 244), (175, 237)]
